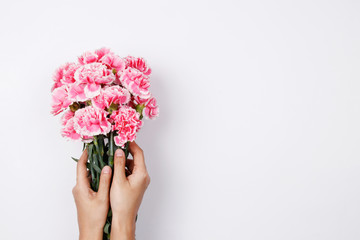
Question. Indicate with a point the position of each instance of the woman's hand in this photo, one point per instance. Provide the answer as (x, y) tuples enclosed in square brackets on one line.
[(92, 207), (126, 193)]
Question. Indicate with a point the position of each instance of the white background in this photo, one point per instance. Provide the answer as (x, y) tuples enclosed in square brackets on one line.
[(259, 129)]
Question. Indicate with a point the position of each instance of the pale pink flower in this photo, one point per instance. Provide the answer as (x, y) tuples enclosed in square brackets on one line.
[(93, 75), (64, 75), (60, 100), (109, 95), (91, 121), (127, 123), (69, 132), (151, 109), (136, 82), (138, 63), (66, 117), (88, 57), (113, 62)]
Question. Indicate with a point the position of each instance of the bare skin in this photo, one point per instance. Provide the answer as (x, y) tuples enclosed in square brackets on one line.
[(125, 196), (126, 193)]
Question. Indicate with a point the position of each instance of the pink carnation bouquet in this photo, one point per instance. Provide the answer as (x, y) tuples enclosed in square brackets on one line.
[(103, 99)]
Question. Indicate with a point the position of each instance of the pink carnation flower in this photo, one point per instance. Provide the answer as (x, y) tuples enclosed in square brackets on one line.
[(151, 109), (77, 92), (64, 75), (113, 62), (138, 63), (102, 52), (60, 100), (69, 132), (126, 122), (88, 57), (93, 75), (109, 95), (66, 117), (91, 121), (58, 74), (136, 82)]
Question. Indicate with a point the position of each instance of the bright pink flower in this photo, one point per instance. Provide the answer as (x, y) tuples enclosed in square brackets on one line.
[(64, 75), (102, 51), (136, 82), (88, 57), (151, 113), (77, 92), (58, 75), (151, 109), (69, 72), (69, 132), (93, 74), (126, 122), (138, 63), (91, 121), (109, 95), (66, 117), (113, 62), (60, 100)]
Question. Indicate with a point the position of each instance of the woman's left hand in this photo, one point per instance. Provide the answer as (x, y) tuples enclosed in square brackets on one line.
[(92, 207)]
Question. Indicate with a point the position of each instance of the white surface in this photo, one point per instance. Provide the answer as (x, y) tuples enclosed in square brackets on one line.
[(259, 131)]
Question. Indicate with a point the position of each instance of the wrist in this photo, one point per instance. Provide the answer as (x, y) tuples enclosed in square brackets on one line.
[(91, 234), (123, 228)]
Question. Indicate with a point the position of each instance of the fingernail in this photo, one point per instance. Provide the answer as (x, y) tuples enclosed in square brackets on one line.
[(119, 153), (106, 170)]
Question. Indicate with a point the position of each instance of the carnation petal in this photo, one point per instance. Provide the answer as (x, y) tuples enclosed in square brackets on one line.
[(60, 100), (136, 82), (91, 121), (126, 123), (92, 90)]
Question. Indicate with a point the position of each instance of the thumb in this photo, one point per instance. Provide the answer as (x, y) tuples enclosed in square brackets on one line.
[(104, 185), (119, 165)]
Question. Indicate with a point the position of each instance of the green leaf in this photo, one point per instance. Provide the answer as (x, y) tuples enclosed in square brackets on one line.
[(75, 159), (107, 228)]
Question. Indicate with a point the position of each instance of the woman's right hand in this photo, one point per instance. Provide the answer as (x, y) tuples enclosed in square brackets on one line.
[(126, 192)]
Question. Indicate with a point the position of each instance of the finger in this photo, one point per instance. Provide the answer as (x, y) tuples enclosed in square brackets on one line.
[(104, 185), (119, 165), (138, 155), (81, 171)]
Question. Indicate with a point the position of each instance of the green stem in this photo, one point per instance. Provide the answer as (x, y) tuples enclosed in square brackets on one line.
[(126, 150), (99, 151), (92, 170), (96, 166), (111, 149)]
